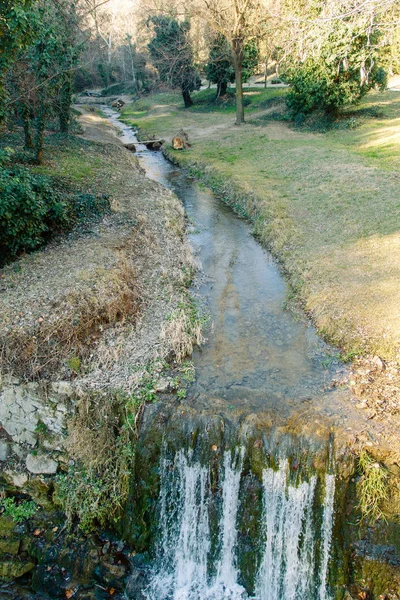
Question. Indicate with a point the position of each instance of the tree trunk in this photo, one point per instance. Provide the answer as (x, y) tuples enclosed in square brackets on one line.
[(237, 64), (65, 102), (24, 111), (41, 122), (132, 51), (222, 86), (186, 98), (265, 72)]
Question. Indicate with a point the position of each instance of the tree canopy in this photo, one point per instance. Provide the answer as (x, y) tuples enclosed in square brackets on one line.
[(172, 55)]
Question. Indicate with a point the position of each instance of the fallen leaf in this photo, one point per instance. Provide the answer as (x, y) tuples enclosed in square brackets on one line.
[(37, 532), (112, 591), (214, 448), (69, 594)]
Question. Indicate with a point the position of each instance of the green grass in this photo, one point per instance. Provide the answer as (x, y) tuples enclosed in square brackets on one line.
[(372, 488), (326, 204)]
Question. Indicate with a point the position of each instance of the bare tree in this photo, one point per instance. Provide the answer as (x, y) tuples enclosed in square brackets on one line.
[(240, 22)]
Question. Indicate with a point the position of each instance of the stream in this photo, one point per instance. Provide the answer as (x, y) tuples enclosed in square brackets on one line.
[(251, 515), (257, 352)]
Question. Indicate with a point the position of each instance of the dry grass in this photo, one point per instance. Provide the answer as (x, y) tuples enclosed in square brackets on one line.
[(182, 332), (50, 328), (101, 445)]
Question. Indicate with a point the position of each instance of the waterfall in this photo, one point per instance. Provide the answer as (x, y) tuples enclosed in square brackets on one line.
[(287, 566), (294, 535), (327, 524), (184, 531)]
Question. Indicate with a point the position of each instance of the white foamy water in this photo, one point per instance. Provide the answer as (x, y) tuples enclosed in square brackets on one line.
[(289, 569)]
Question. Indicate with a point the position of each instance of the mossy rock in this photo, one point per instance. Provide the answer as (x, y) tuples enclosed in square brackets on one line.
[(379, 578), (13, 568), (7, 525), (9, 546)]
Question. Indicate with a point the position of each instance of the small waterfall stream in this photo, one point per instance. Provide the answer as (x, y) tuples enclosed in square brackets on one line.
[(294, 539), (229, 531)]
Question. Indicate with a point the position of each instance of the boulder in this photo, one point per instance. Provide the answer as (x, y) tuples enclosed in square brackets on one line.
[(14, 568), (130, 147), (4, 451), (15, 478), (41, 464), (181, 141), (118, 104), (9, 546)]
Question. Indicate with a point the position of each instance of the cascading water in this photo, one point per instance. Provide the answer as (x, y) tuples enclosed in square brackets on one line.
[(294, 535), (236, 533)]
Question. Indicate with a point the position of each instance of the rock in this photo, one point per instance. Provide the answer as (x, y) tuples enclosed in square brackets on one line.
[(130, 147), (9, 546), (6, 526), (18, 451), (18, 415), (63, 388), (17, 479), (362, 405), (14, 568), (118, 103), (181, 141), (41, 464), (378, 363), (4, 451), (22, 408), (163, 385)]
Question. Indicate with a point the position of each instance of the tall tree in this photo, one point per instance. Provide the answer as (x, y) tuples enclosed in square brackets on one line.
[(172, 55), (42, 73), (240, 22), (219, 69), (17, 27)]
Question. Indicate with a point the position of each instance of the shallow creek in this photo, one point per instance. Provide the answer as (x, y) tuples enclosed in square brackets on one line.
[(235, 486)]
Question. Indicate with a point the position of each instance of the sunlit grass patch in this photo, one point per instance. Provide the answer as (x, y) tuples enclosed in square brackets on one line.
[(372, 487)]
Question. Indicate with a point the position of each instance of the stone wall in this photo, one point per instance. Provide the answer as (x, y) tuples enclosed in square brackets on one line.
[(33, 428)]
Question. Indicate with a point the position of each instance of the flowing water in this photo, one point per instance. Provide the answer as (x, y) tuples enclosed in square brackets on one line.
[(293, 539), (224, 531), (258, 353)]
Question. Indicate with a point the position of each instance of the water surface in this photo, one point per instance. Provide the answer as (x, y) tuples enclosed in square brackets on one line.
[(258, 353)]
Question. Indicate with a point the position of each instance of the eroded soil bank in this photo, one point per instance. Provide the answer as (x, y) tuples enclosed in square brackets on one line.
[(84, 346)]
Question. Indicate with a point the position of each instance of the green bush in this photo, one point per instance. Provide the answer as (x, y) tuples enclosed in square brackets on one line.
[(34, 207), (341, 71), (28, 208), (18, 511), (316, 87)]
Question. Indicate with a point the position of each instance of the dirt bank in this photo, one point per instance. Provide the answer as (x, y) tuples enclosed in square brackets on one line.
[(88, 327)]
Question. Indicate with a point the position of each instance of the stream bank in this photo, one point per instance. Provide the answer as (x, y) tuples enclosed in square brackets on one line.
[(83, 327), (224, 387), (325, 204)]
